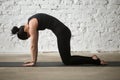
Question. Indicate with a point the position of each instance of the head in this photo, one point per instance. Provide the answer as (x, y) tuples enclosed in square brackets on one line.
[(20, 32)]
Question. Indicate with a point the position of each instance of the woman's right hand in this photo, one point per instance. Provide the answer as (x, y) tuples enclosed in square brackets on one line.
[(29, 64)]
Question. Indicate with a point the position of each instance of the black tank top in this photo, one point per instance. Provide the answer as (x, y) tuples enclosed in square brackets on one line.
[(45, 21)]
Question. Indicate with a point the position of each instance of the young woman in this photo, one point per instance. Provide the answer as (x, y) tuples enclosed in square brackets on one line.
[(43, 21)]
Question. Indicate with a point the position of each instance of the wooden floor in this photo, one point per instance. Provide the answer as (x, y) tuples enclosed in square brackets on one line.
[(50, 67)]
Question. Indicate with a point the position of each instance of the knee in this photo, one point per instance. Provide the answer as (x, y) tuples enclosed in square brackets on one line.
[(67, 62)]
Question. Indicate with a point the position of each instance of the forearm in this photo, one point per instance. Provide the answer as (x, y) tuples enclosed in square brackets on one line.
[(34, 53)]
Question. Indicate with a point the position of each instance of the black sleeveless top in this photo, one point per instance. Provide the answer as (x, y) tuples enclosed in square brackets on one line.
[(45, 21)]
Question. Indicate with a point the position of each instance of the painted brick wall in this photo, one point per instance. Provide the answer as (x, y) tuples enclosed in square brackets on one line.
[(95, 24)]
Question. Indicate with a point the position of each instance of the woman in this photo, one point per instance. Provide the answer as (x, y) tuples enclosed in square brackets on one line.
[(42, 21)]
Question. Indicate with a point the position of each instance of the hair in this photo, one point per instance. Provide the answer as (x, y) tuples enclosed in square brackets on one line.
[(20, 32)]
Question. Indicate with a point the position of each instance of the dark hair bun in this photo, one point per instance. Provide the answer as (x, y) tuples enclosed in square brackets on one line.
[(14, 30)]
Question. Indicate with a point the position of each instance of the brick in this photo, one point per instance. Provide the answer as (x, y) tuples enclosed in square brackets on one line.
[(115, 2)]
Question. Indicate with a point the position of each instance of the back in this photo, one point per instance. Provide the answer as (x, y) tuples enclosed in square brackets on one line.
[(44, 21)]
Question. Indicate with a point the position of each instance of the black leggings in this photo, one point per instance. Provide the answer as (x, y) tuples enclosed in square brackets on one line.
[(63, 35)]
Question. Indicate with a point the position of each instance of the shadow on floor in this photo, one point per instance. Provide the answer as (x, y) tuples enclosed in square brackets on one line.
[(57, 64)]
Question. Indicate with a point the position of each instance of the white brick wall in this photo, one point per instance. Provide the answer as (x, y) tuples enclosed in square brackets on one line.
[(95, 24)]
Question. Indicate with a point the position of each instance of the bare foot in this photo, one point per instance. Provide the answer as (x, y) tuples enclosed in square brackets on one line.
[(102, 62), (95, 57)]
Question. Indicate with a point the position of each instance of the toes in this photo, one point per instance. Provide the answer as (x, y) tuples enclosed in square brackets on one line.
[(103, 62)]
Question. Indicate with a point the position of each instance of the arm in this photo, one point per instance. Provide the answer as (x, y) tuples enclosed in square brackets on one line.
[(33, 41)]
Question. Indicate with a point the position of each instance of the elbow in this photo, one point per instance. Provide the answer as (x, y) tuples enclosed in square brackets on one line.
[(34, 48)]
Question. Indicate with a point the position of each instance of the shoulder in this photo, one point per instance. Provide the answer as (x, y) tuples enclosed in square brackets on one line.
[(33, 23)]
